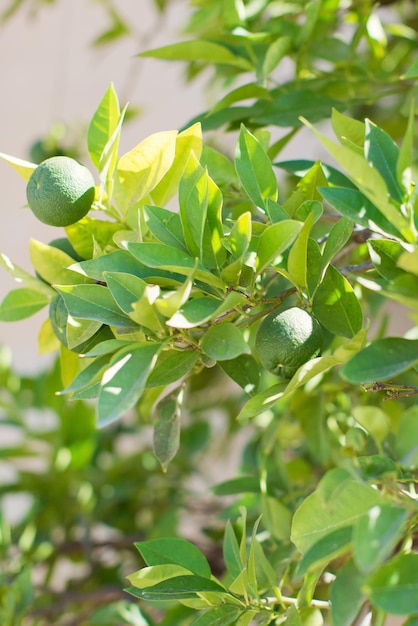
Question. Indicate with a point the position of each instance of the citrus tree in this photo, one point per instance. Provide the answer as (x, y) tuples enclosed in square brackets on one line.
[(256, 288)]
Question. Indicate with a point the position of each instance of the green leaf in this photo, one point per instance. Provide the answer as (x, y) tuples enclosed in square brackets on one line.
[(93, 302), (178, 588), (347, 596), (126, 289), (338, 236), (373, 420), (224, 615), (330, 508), (262, 401), (234, 486), (394, 587), (406, 445), (376, 535), (369, 181), (384, 255), (22, 167), (20, 304), (101, 129), (405, 158), (124, 380), (382, 153), (244, 92), (193, 201), (244, 370), (231, 552), (382, 359), (224, 342), (52, 264), (159, 255), (167, 427), (24, 278), (352, 204), (89, 232), (274, 240), (143, 167), (166, 226), (171, 366), (297, 265), (149, 576), (188, 142), (88, 375), (336, 306), (348, 129), (274, 54), (199, 50), (329, 547), (174, 550), (254, 169)]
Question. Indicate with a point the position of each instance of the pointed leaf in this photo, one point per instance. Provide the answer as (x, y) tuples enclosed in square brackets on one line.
[(336, 306), (380, 360), (382, 153), (93, 302), (20, 304), (244, 370), (199, 50), (167, 427), (166, 226), (274, 240), (143, 167), (102, 125), (224, 342), (176, 551), (171, 366), (22, 167), (254, 169), (124, 381)]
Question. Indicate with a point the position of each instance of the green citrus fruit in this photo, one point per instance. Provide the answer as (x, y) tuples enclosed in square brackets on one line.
[(60, 191), (288, 339)]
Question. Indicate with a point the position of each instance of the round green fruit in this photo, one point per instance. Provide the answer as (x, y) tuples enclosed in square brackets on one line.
[(60, 191), (287, 340)]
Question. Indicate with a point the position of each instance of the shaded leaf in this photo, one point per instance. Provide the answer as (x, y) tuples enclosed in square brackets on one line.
[(394, 587), (224, 342), (167, 415)]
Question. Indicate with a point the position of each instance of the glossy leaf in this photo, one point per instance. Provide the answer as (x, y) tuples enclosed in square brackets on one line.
[(383, 153), (188, 142), (178, 588), (143, 167), (52, 264), (297, 266), (336, 306), (244, 370), (24, 278), (254, 169), (337, 238), (380, 360), (172, 365), (199, 310), (18, 304), (352, 204), (165, 550), (124, 380), (206, 51), (274, 240), (326, 511), (224, 615), (93, 302), (224, 342), (101, 129), (159, 255), (166, 226), (22, 167)]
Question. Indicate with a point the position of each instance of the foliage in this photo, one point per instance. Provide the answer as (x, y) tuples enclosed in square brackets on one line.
[(154, 310)]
